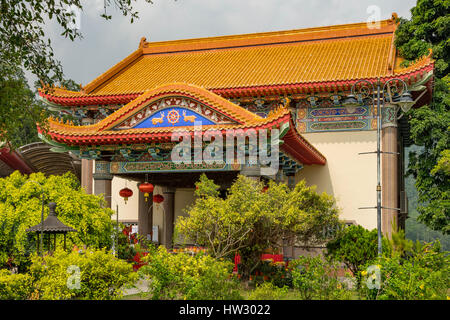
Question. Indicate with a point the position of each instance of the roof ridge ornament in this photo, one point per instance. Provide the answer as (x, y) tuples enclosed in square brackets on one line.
[(394, 17), (142, 42), (52, 207)]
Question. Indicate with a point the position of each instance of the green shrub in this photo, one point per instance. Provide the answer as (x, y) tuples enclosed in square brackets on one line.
[(182, 276), (421, 273), (15, 286), (317, 278), (355, 246), (101, 275), (268, 291)]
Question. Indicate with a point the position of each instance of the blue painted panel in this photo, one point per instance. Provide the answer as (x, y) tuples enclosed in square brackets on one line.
[(174, 117)]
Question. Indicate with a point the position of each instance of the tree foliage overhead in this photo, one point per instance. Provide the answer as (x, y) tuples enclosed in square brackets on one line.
[(22, 38), (25, 46), (429, 28)]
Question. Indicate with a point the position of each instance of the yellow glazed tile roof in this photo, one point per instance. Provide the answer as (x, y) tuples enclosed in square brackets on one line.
[(304, 57), (333, 53)]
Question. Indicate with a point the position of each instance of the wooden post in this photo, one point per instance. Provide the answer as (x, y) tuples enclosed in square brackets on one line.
[(169, 216), (86, 175)]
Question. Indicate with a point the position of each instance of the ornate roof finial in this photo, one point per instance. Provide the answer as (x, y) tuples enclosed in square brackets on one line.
[(143, 41), (394, 16)]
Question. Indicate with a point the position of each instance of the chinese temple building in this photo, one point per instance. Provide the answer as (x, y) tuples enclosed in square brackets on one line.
[(292, 84)]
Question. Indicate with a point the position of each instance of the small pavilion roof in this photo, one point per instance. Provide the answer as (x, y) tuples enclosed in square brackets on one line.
[(52, 224)]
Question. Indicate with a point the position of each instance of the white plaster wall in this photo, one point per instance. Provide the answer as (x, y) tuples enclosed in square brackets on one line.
[(349, 177), (127, 212)]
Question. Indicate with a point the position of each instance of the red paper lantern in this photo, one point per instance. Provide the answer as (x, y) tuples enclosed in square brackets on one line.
[(146, 188), (157, 198), (126, 193)]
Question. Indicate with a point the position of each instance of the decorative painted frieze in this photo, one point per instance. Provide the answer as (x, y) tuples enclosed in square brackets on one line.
[(174, 111), (337, 118)]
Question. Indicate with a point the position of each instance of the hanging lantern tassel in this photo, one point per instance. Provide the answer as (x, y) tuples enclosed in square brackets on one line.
[(146, 188), (157, 198), (125, 193)]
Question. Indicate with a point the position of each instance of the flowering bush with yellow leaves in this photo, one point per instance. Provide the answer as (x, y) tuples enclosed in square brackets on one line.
[(15, 286), (192, 277), (90, 274)]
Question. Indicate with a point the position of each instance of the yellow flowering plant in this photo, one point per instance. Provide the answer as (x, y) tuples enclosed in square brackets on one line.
[(421, 273), (91, 274), (185, 276)]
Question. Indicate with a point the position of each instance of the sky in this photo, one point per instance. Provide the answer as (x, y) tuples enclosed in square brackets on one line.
[(105, 43)]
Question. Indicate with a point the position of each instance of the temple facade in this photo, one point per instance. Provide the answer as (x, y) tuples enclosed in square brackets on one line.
[(267, 105)]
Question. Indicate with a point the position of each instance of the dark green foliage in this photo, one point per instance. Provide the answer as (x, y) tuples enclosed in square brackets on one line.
[(429, 28), (24, 46), (22, 37), (355, 247), (430, 129), (416, 230), (19, 109)]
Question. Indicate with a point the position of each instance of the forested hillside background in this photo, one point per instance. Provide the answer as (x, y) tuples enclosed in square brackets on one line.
[(416, 230)]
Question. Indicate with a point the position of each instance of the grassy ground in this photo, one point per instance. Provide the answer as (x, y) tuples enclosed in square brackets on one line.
[(134, 296), (245, 291)]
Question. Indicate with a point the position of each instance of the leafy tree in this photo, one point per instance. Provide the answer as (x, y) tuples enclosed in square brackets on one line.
[(355, 246), (22, 36), (19, 109), (429, 28), (24, 46), (20, 208), (416, 230), (249, 220)]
